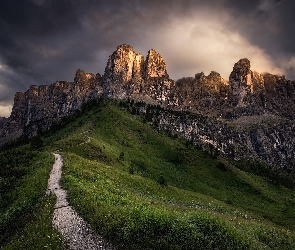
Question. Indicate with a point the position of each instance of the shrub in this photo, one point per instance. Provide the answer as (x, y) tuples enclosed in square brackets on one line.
[(162, 180)]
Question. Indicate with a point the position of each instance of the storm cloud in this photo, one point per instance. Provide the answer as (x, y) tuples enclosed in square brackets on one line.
[(42, 41)]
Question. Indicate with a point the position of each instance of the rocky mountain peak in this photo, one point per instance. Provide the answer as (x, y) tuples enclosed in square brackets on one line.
[(155, 65), (215, 78), (127, 70), (241, 75), (243, 65), (120, 64), (123, 65), (243, 83), (212, 83), (81, 76), (200, 76)]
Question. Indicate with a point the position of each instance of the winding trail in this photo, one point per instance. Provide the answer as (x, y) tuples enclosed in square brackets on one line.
[(76, 233)]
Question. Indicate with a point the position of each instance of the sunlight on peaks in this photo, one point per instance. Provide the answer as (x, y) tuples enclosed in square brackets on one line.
[(206, 44)]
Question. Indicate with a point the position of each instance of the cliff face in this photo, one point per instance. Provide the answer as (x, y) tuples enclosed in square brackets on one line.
[(205, 94), (250, 115), (128, 74), (244, 85), (41, 106), (123, 67), (265, 138)]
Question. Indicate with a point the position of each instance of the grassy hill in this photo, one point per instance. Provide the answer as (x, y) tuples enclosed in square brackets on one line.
[(143, 189)]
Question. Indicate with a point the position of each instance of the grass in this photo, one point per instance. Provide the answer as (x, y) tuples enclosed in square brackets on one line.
[(37, 232), (143, 189), (113, 181), (138, 213), (25, 214)]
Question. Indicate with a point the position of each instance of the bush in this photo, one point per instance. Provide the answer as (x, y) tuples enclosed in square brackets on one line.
[(37, 142), (221, 166), (162, 180)]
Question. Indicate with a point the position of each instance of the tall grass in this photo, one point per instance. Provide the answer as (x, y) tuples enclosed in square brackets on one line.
[(25, 176)]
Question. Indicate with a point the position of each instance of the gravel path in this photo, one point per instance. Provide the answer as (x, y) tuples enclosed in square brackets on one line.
[(76, 233)]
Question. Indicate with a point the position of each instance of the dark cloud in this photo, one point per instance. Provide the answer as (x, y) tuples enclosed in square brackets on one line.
[(46, 40)]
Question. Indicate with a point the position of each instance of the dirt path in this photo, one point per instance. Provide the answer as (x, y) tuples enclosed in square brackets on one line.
[(76, 233)]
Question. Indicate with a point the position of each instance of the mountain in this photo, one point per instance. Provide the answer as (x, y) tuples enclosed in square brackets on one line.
[(249, 116)]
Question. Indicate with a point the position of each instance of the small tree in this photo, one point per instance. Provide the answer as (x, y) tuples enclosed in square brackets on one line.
[(221, 166), (162, 180), (37, 142)]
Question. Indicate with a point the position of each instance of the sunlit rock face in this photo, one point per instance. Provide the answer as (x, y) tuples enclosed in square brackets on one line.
[(155, 65), (206, 94), (157, 86), (244, 85), (129, 75), (122, 66)]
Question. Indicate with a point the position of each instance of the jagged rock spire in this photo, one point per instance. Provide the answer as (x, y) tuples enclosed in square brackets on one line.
[(240, 77), (120, 64), (244, 83), (155, 65), (126, 71)]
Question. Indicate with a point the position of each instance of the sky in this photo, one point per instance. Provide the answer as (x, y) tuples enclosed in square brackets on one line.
[(42, 41)]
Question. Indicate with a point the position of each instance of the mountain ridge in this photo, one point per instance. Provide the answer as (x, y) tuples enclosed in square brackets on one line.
[(246, 96)]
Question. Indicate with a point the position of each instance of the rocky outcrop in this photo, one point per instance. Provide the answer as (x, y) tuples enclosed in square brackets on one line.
[(265, 138), (123, 70), (205, 94), (250, 115), (279, 95), (155, 65), (41, 106), (129, 75), (244, 85)]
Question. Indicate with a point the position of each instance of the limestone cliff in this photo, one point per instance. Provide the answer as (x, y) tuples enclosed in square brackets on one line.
[(41, 106), (155, 65), (244, 84), (250, 115), (123, 66), (129, 75), (205, 94), (279, 95), (266, 138)]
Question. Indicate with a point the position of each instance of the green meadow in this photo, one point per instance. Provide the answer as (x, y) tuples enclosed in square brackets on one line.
[(140, 188)]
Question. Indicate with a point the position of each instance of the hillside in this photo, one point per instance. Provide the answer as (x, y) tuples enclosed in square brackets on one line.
[(140, 187)]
